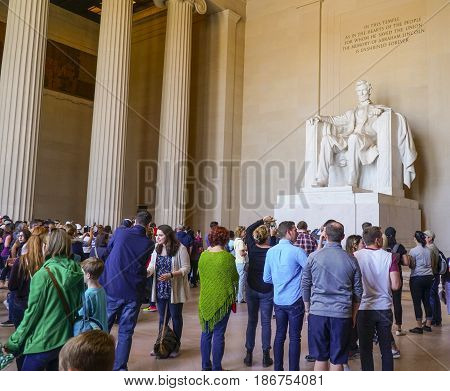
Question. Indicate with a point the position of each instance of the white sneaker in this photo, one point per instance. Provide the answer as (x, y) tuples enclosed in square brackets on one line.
[(400, 333), (395, 354)]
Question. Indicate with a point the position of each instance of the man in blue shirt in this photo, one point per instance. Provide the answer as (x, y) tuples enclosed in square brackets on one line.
[(124, 281), (283, 269)]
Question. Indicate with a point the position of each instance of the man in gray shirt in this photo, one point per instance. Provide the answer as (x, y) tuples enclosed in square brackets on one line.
[(332, 290)]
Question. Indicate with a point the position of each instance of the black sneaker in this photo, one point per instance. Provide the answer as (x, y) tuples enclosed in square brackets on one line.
[(310, 358), (427, 329), (7, 323), (416, 330)]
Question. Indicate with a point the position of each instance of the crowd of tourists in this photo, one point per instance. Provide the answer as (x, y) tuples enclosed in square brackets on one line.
[(68, 285)]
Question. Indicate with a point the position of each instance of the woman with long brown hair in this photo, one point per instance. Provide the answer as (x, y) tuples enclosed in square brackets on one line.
[(170, 266), (23, 269)]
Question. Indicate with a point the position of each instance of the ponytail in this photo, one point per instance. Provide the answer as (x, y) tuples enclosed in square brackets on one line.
[(420, 237)]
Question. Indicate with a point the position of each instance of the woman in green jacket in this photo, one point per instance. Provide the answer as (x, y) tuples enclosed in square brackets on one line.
[(218, 286), (45, 327)]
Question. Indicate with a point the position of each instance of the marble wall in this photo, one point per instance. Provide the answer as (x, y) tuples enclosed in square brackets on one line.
[(401, 47)]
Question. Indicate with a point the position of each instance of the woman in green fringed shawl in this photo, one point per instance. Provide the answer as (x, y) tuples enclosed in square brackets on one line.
[(218, 286)]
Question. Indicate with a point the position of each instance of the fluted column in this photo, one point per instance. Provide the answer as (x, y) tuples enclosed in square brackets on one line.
[(21, 84), (172, 153), (109, 124)]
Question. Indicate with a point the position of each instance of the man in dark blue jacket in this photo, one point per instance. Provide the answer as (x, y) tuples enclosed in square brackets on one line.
[(184, 238), (124, 281)]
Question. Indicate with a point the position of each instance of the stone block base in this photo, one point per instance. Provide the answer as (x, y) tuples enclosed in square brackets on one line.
[(351, 207)]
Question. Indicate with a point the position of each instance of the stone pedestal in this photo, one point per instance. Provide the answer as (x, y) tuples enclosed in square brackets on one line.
[(351, 207), (21, 82), (109, 123)]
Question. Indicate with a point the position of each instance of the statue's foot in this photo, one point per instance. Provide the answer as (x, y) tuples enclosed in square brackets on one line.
[(318, 183)]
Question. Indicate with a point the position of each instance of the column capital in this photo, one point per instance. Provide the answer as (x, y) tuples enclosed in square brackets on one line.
[(200, 5)]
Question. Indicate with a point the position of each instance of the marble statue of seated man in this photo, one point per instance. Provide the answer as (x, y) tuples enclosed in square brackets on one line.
[(352, 133), (371, 136)]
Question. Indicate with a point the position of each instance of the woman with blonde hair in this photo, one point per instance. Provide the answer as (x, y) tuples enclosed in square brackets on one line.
[(260, 237), (241, 260), (54, 298)]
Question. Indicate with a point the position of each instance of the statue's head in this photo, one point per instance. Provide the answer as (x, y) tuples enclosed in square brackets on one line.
[(363, 89)]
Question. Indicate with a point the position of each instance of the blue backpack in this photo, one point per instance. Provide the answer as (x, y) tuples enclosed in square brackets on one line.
[(85, 323), (80, 324)]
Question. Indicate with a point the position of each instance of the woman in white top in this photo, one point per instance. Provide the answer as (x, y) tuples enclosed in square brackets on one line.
[(240, 250), (420, 282), (170, 266)]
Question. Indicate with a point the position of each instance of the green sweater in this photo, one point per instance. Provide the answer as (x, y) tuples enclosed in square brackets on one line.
[(219, 283), (45, 326)]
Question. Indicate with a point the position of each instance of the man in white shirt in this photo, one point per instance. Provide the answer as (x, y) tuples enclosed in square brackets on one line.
[(241, 260), (380, 276)]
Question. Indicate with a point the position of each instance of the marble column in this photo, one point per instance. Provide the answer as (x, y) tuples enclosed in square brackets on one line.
[(221, 98), (174, 128), (109, 124), (21, 84)]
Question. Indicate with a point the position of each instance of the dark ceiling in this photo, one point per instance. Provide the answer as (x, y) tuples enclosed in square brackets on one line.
[(82, 7)]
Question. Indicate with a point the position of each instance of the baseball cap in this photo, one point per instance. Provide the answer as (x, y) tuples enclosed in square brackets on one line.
[(429, 233)]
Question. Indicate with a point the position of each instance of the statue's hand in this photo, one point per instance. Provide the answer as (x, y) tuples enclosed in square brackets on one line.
[(376, 112), (314, 120)]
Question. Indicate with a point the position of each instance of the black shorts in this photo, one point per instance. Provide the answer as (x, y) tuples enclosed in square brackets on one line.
[(329, 338)]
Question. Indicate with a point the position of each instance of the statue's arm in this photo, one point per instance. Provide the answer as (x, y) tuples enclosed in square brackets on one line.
[(336, 120)]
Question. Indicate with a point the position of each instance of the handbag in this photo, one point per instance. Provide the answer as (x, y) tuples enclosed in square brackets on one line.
[(167, 341)]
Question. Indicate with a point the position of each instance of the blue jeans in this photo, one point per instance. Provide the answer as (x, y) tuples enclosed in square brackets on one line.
[(446, 286), (174, 312), (242, 281), (216, 338), (292, 316), (17, 308), (420, 287), (434, 300), (380, 321), (126, 312), (46, 361), (256, 302)]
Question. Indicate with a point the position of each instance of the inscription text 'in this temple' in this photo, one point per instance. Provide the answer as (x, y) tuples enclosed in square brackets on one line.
[(382, 34)]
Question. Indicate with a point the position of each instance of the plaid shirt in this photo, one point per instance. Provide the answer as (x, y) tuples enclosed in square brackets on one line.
[(306, 242)]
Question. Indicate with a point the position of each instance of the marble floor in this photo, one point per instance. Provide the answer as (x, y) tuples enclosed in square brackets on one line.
[(428, 352)]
